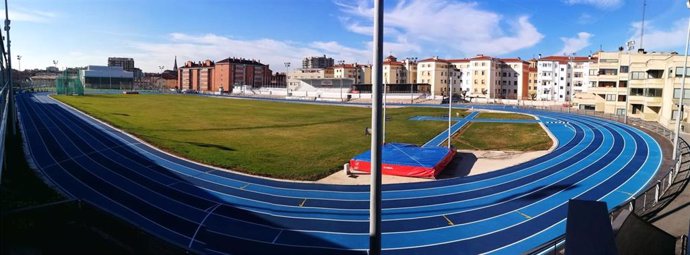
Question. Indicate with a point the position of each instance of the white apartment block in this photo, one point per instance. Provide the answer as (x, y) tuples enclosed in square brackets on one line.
[(560, 77)]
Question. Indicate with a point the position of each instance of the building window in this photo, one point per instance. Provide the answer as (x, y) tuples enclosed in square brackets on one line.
[(608, 72), (679, 72), (654, 92), (608, 60), (636, 92), (676, 93), (639, 75), (610, 97), (620, 111), (624, 69)]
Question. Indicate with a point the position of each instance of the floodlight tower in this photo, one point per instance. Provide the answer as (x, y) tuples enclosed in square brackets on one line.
[(19, 62)]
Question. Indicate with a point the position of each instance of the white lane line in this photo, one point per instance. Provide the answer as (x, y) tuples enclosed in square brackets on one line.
[(278, 235), (202, 223)]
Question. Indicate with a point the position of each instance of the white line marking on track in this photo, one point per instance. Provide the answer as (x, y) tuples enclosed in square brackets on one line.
[(278, 235), (202, 223)]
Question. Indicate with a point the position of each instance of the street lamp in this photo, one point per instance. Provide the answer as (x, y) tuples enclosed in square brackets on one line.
[(161, 68), (19, 62), (287, 65), (682, 91), (631, 46)]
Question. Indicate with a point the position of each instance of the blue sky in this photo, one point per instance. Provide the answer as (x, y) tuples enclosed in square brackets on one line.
[(82, 32)]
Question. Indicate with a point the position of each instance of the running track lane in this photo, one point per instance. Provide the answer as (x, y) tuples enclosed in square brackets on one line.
[(171, 197)]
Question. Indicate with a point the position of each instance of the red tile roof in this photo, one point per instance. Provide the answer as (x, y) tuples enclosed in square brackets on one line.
[(434, 60)]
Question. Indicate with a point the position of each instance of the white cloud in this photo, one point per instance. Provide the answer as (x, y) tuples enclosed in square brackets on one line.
[(216, 47), (463, 28), (585, 19), (658, 39), (36, 16), (601, 4), (574, 44)]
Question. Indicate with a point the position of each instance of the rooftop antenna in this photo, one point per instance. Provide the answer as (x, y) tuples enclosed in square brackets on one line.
[(644, 8)]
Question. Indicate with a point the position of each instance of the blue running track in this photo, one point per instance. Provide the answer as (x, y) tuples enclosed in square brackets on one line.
[(207, 210)]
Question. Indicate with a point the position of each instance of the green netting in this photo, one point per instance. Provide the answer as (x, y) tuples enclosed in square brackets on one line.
[(66, 84)]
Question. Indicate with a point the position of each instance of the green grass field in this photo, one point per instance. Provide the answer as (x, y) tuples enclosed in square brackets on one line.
[(499, 115), (282, 140), (502, 136)]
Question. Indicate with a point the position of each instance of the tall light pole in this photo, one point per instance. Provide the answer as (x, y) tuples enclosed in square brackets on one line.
[(287, 66), (682, 91), (19, 62), (631, 46), (9, 71), (376, 141)]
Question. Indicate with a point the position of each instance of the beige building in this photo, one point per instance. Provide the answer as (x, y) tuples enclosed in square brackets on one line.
[(308, 73), (650, 81), (361, 74), (434, 71), (399, 72), (480, 76), (532, 80)]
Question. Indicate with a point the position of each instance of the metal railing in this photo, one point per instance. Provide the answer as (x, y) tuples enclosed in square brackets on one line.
[(4, 103), (644, 203)]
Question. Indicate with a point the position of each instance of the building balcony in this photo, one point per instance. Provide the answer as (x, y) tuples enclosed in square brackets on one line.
[(648, 83), (648, 101), (608, 90), (606, 77)]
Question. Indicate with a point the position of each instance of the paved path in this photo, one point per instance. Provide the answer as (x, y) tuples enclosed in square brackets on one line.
[(674, 218), (454, 128), (207, 210)]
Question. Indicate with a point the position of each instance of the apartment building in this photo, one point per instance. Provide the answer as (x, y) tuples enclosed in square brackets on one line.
[(190, 75), (359, 73), (127, 64), (295, 76), (394, 72), (480, 76), (650, 82), (559, 77), (434, 71), (532, 80), (461, 77), (512, 78), (483, 77), (317, 62), (209, 76)]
